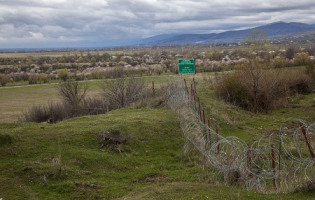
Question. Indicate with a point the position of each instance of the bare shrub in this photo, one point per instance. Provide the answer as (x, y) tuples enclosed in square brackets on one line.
[(73, 94), (117, 72), (257, 86), (38, 113), (57, 112), (232, 90), (51, 113), (310, 69), (122, 92), (299, 83), (268, 92), (94, 106)]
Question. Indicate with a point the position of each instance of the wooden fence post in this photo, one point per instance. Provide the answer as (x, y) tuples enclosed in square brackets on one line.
[(153, 91), (209, 133), (218, 139), (308, 142), (273, 165)]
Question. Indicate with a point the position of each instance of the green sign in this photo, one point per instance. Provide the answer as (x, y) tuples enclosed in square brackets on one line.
[(186, 66)]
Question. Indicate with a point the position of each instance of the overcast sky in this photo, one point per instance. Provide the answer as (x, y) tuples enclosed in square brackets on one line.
[(54, 22)]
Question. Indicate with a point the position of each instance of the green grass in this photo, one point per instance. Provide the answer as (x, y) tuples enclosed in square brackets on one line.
[(234, 121), (68, 155), (16, 100), (64, 161), (201, 191)]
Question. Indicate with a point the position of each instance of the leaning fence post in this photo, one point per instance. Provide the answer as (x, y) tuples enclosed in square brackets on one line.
[(308, 142), (249, 161), (199, 109), (186, 86), (209, 133), (218, 147), (153, 91), (273, 165), (280, 145), (204, 123), (195, 87), (191, 92)]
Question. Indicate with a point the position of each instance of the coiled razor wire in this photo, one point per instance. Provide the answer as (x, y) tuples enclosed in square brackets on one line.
[(282, 162)]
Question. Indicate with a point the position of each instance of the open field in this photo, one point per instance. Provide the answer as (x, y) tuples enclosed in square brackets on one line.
[(16, 100)]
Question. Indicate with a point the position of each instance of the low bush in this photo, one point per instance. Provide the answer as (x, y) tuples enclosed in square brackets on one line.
[(4, 79), (56, 112), (267, 90), (94, 106), (232, 90), (310, 69), (51, 113)]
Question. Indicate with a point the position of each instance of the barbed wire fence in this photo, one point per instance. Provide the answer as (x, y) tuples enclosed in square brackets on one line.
[(284, 161)]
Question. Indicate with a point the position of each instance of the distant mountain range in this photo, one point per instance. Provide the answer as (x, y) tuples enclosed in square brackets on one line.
[(281, 31), (273, 30)]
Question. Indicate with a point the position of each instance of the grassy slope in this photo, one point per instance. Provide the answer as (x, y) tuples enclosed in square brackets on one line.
[(67, 155), (249, 126)]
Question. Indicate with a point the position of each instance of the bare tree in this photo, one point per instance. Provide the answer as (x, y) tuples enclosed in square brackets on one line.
[(255, 68), (72, 93), (123, 91)]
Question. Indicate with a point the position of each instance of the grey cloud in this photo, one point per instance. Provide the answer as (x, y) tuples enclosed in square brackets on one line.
[(76, 20)]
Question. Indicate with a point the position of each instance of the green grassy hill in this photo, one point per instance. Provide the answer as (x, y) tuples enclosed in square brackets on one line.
[(64, 161)]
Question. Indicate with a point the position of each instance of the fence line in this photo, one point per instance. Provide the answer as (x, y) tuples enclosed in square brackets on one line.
[(284, 161)]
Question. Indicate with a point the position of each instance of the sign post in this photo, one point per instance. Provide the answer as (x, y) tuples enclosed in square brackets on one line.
[(186, 66)]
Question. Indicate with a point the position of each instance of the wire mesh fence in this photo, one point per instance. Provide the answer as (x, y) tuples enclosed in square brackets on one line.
[(281, 162)]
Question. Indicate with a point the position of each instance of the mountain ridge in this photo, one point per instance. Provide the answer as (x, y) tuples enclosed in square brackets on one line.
[(272, 31)]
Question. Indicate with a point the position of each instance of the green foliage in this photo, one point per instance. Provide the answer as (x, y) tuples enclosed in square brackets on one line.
[(280, 62), (301, 59), (4, 79), (310, 69), (62, 60), (231, 89), (80, 60), (63, 74), (35, 79)]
